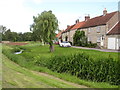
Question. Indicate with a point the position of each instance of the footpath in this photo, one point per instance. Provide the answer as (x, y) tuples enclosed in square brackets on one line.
[(103, 50)]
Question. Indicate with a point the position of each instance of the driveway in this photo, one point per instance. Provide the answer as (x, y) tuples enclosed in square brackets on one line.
[(103, 50)]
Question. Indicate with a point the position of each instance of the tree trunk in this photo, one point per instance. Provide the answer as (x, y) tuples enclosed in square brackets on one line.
[(51, 47)]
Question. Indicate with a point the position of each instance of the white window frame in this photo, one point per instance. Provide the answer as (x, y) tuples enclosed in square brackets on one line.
[(89, 30), (98, 29), (89, 39), (98, 39)]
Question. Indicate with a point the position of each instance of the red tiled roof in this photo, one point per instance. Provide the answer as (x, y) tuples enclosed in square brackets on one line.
[(115, 30), (69, 28), (78, 25), (59, 34), (100, 20)]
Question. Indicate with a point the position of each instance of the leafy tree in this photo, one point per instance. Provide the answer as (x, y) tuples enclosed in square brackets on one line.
[(45, 25), (27, 36), (20, 36), (79, 38), (2, 31)]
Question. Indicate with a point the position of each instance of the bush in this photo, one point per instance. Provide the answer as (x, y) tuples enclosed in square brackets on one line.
[(91, 45), (81, 40), (81, 65)]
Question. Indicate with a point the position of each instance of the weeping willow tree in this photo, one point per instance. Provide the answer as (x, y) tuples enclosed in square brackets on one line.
[(44, 26)]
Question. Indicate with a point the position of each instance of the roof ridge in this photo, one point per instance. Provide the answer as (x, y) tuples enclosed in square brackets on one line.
[(103, 15), (113, 27)]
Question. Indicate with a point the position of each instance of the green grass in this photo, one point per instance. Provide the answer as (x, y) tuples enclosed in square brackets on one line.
[(0, 66), (35, 51), (15, 76)]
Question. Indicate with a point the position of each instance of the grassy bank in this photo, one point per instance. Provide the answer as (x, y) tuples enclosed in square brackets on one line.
[(15, 76), (34, 53), (0, 66)]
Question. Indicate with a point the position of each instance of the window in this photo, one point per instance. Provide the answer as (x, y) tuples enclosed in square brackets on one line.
[(102, 37), (98, 39), (89, 39), (98, 29), (89, 30)]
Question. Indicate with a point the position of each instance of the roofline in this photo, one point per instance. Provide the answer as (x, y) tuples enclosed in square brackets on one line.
[(102, 15), (89, 26), (112, 28), (92, 26)]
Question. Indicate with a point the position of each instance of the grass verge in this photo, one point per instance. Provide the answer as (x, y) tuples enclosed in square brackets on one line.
[(32, 51), (15, 76)]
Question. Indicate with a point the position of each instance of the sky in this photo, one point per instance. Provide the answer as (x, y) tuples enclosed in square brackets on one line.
[(17, 15)]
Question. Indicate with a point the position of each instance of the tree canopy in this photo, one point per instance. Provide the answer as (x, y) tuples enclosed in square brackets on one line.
[(44, 26), (8, 35), (79, 38)]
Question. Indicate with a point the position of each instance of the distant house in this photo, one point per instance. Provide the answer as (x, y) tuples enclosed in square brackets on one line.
[(66, 33), (97, 28), (59, 36)]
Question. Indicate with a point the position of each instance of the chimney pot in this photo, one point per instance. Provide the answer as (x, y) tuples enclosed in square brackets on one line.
[(77, 21), (68, 26), (87, 17), (104, 12)]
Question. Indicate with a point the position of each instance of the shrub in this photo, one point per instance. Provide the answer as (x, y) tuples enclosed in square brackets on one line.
[(91, 45), (81, 65), (79, 38)]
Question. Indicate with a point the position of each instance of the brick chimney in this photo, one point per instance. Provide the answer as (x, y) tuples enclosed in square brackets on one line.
[(68, 26), (87, 17), (104, 12), (77, 21)]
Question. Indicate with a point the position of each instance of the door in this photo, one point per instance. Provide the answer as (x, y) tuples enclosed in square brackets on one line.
[(118, 43), (111, 43), (102, 40)]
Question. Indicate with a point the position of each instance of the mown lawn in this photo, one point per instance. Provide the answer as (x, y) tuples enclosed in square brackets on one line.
[(35, 52), (0, 66)]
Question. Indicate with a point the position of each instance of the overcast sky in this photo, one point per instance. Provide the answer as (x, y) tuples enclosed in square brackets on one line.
[(18, 14)]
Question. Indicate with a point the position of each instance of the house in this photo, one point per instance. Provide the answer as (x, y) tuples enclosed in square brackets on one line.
[(73, 29), (68, 34), (97, 28), (113, 36), (59, 37)]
